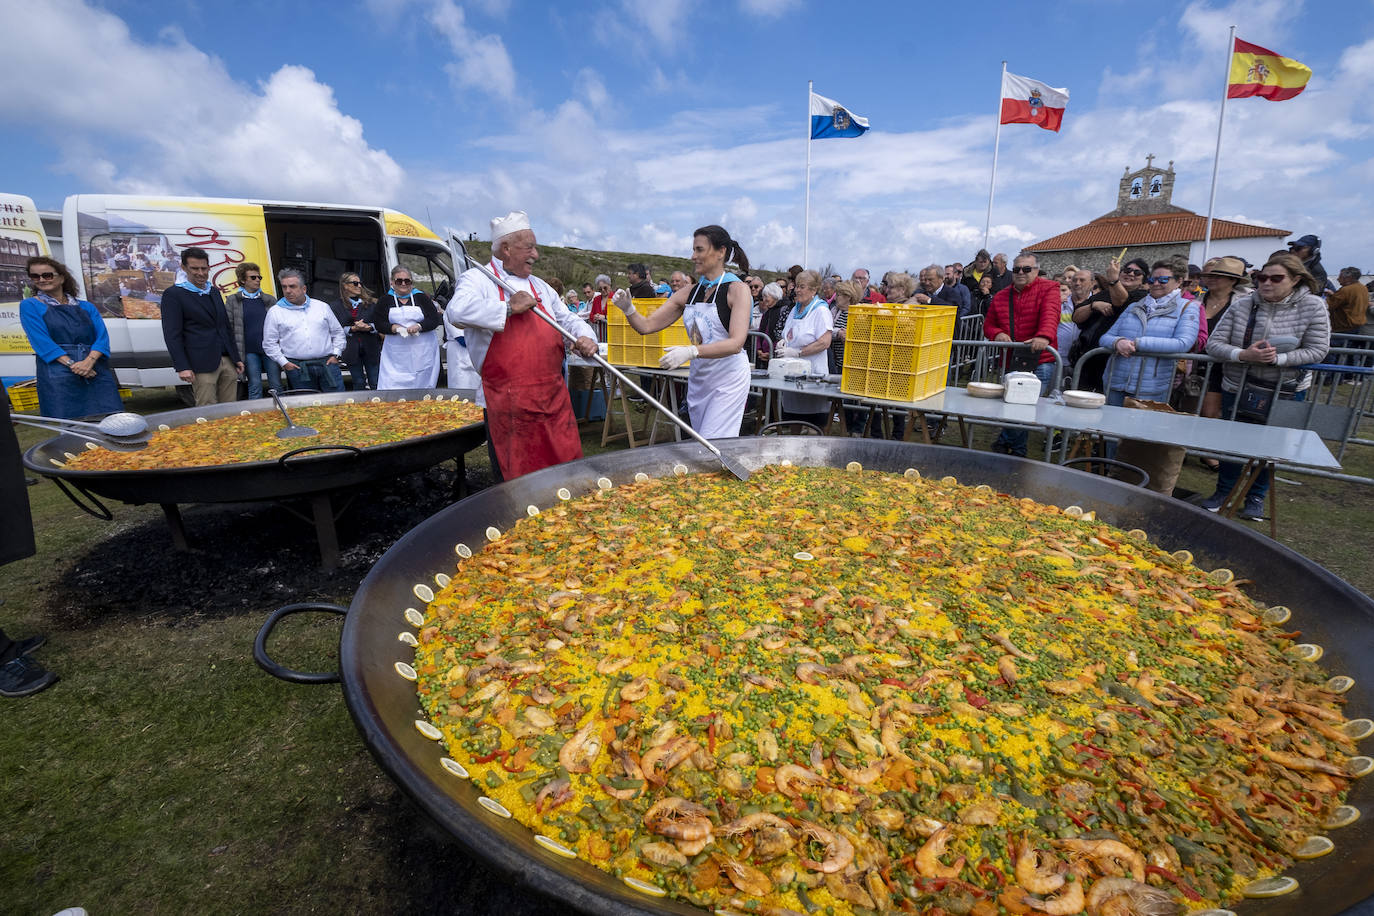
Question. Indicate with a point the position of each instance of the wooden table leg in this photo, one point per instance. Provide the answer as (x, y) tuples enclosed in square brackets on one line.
[(323, 509), (1236, 498), (175, 526), (1273, 502)]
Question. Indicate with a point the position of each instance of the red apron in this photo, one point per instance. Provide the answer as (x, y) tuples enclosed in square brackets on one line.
[(529, 413)]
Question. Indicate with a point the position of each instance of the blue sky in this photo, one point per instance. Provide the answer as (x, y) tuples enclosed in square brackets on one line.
[(627, 123)]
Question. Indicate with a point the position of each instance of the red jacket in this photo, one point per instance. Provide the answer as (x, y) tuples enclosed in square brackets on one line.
[(1037, 314)]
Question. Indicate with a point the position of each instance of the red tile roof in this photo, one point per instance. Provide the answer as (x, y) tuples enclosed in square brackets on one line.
[(1150, 229)]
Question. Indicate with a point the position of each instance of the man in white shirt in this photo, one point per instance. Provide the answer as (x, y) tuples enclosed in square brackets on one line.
[(302, 336), (530, 422)]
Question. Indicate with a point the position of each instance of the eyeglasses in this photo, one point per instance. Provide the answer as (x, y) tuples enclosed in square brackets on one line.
[(1024, 270), (403, 281), (45, 275), (1271, 278), (346, 282), (1154, 280), (1133, 271), (253, 277)]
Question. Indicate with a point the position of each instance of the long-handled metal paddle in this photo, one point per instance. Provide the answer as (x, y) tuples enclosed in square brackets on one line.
[(291, 430), (730, 464), (120, 432)]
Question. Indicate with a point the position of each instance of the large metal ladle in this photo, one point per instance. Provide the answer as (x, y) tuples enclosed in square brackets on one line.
[(120, 432), (292, 431)]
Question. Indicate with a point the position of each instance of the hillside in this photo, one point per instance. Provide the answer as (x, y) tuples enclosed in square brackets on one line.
[(575, 266)]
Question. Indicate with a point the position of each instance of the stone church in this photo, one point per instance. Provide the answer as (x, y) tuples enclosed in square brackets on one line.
[(1148, 225)]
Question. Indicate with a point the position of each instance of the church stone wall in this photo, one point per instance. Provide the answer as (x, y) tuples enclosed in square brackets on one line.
[(1096, 259)]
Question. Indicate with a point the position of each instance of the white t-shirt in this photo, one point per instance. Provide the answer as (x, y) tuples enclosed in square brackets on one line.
[(804, 330)]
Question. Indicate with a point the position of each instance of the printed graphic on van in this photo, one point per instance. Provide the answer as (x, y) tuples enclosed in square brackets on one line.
[(21, 238), (128, 264)]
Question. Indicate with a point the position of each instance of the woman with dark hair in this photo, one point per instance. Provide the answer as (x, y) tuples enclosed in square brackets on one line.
[(363, 350), (1285, 304), (70, 345), (716, 311)]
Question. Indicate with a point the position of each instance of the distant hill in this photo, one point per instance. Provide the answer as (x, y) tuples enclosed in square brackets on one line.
[(575, 266)]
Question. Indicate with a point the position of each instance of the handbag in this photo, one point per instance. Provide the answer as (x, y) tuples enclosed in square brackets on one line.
[(1256, 398)]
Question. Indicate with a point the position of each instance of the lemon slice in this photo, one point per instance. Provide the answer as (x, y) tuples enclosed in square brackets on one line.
[(1270, 887), (1314, 847), (1358, 729), (680, 469), (853, 466), (408, 638), (911, 474), (531, 510), (1343, 816), (640, 477), (949, 480), (1073, 511), (493, 532), (1221, 576), (604, 483), (1359, 766), (454, 767), (1183, 556), (414, 617), (1090, 515), (463, 550), (406, 671), (1340, 683), (442, 579), (803, 556), (1277, 614), (564, 493), (1307, 651), (1138, 534), (423, 592)]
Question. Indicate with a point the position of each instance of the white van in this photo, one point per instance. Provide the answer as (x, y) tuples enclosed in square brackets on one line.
[(125, 250)]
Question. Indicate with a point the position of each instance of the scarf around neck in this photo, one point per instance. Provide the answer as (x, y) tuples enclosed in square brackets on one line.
[(188, 285), (1156, 307)]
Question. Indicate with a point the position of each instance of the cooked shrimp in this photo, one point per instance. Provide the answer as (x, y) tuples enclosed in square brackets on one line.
[(849, 889), (666, 756), (555, 793), (1125, 897), (662, 854), (611, 664), (928, 862), (772, 835), (1273, 721), (678, 819), (1003, 640), (789, 777), (1299, 762), (863, 776), (1006, 666), (636, 690), (581, 749), (632, 771), (891, 740), (811, 673), (1068, 900), (1035, 869), (745, 877), (1111, 857), (839, 852)]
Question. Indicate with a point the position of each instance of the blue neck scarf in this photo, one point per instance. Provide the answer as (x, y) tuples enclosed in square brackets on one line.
[(726, 277), (287, 303), (248, 295), (398, 297), (188, 285), (51, 301), (802, 311), (354, 302)]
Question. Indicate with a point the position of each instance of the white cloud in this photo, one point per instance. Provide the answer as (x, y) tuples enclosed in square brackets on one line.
[(286, 137), (662, 19), (480, 61), (768, 9)]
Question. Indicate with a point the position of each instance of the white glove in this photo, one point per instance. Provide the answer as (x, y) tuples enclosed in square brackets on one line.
[(674, 357), (622, 301), (789, 352)]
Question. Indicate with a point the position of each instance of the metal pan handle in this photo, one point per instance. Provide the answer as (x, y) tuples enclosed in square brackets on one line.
[(281, 671), (317, 448), (1089, 461), (96, 508)]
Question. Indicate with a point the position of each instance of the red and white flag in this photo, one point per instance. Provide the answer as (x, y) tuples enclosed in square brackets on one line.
[(1028, 101)]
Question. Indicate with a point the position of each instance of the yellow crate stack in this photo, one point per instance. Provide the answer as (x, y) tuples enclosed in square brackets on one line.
[(897, 352), (627, 347), (24, 396)]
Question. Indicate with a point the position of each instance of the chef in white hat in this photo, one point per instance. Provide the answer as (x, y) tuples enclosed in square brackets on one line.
[(530, 423)]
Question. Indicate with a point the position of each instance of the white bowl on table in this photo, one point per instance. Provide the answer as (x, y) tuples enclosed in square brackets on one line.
[(1084, 399), (986, 389)]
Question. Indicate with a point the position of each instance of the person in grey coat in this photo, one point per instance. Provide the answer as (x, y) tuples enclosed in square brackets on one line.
[(247, 307)]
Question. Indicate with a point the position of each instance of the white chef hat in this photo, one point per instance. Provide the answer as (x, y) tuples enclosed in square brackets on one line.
[(503, 226)]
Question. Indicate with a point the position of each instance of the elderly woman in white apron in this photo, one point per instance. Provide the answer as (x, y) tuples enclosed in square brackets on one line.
[(716, 311), (409, 323), (807, 335)]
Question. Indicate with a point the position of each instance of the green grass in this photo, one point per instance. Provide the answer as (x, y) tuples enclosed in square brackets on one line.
[(166, 773)]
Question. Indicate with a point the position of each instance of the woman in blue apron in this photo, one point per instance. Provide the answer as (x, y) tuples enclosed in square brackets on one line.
[(70, 344)]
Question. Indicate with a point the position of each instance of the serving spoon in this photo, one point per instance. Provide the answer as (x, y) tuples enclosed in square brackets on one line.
[(120, 432)]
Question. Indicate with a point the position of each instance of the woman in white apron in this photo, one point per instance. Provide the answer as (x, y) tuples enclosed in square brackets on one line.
[(807, 335), (716, 312), (409, 323)]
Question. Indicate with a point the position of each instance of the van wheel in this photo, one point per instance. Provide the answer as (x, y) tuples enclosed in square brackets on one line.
[(188, 397)]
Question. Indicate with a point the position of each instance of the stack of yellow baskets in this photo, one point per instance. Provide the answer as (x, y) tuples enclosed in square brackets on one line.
[(627, 347), (897, 352)]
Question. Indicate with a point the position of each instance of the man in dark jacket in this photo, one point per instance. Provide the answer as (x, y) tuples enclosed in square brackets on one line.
[(1309, 250), (640, 285), (199, 338)]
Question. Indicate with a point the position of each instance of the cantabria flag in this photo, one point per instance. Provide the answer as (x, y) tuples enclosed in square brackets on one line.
[(1259, 71), (831, 119)]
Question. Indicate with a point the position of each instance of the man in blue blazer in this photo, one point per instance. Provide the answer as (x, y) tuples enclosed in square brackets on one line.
[(198, 335)]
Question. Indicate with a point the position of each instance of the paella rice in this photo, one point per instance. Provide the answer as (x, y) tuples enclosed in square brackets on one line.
[(253, 436), (851, 692)]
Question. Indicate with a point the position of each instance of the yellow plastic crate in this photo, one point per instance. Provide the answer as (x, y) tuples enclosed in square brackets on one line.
[(627, 347), (24, 396), (897, 352)]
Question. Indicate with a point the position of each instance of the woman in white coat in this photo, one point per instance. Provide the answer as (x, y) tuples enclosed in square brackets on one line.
[(409, 323), (807, 335), (716, 310)]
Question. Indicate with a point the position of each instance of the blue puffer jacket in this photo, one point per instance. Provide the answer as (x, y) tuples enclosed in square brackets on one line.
[(1173, 330)]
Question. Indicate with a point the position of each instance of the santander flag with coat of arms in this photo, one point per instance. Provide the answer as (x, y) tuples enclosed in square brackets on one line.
[(1028, 101)]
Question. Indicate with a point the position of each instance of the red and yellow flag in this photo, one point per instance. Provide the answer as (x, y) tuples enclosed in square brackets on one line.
[(1259, 71)]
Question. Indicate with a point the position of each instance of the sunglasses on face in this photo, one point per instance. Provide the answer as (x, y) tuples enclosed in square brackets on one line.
[(45, 275), (1154, 280), (1271, 278), (403, 281), (1023, 270), (346, 282), (1135, 272), (252, 277)]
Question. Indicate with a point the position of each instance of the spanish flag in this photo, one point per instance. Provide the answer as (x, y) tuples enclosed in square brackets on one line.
[(1261, 72)]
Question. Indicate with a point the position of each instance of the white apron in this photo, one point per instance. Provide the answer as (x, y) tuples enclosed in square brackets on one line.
[(716, 388), (412, 361), (802, 331)]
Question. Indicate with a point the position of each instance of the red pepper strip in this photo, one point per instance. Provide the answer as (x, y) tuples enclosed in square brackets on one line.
[(711, 737), (489, 757), (895, 682), (1071, 817), (1173, 879), (986, 867), (1230, 818), (975, 700), (520, 758), (1131, 709), (1095, 751)]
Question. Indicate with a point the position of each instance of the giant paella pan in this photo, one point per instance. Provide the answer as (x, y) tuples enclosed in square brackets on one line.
[(829, 801)]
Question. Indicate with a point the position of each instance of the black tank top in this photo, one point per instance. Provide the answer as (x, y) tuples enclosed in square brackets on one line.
[(722, 303)]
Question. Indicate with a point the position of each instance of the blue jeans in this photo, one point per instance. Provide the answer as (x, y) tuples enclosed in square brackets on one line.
[(317, 374), (1013, 440), (255, 364), (1229, 472)]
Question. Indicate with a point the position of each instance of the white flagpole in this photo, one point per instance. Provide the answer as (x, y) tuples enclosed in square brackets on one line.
[(996, 142), (1216, 157), (806, 231)]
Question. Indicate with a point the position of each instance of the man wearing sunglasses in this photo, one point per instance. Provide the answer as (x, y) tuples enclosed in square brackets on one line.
[(1026, 311)]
